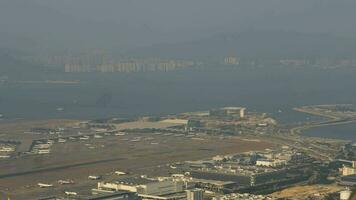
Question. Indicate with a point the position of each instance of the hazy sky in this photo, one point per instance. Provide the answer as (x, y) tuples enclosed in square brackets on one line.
[(208, 14)]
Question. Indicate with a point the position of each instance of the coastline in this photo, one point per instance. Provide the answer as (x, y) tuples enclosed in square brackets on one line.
[(329, 122)]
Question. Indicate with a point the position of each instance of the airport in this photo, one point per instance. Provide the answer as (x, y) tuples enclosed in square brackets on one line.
[(223, 153)]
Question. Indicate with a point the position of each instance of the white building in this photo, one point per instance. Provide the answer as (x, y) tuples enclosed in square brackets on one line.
[(270, 163), (346, 170), (229, 111), (345, 194), (143, 186)]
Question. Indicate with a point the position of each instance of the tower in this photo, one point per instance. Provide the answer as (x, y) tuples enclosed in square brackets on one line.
[(242, 112)]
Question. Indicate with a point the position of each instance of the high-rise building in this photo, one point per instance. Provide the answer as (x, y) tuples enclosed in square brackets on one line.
[(242, 112), (195, 194), (231, 60)]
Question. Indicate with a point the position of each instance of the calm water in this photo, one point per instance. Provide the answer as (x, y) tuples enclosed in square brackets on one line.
[(345, 131), (275, 91)]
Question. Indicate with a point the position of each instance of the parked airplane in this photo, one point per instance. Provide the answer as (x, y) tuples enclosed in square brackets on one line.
[(63, 182), (94, 177), (44, 185), (70, 193)]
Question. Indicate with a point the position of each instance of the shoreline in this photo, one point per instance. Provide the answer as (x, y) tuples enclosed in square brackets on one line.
[(331, 121)]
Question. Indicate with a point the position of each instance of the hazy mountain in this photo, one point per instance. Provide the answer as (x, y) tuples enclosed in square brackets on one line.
[(11, 66), (258, 44), (66, 25), (177, 18), (51, 31)]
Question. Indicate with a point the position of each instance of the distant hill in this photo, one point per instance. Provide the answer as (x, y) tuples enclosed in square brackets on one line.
[(185, 28), (37, 28), (13, 67), (67, 25), (258, 44), (7, 62)]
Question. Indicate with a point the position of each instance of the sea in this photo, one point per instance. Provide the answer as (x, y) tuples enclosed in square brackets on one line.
[(273, 90)]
